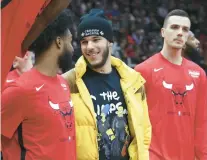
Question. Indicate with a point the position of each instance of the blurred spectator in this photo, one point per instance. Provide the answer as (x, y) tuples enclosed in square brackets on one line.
[(141, 21), (138, 36), (116, 49), (193, 52)]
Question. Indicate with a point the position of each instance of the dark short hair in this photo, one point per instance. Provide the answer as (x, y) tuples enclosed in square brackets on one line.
[(175, 12), (57, 28)]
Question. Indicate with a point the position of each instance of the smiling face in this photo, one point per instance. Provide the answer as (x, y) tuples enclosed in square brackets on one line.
[(96, 50), (176, 31)]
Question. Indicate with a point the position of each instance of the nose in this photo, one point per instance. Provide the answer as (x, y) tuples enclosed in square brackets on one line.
[(197, 43), (90, 45), (180, 32)]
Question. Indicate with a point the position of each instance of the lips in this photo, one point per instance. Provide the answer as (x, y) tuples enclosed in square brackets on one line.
[(179, 40), (92, 54)]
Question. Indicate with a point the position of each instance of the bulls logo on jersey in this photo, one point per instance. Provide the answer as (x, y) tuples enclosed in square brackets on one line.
[(65, 109)]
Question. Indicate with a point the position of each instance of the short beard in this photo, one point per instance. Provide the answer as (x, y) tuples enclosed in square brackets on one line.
[(65, 61), (102, 63)]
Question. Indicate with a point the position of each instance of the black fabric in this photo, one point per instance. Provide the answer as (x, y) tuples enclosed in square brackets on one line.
[(95, 24), (111, 114), (194, 55), (204, 66), (20, 139), (4, 3)]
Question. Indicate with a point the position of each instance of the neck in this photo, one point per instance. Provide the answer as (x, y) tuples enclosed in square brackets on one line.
[(18, 72), (173, 55), (47, 64), (106, 68)]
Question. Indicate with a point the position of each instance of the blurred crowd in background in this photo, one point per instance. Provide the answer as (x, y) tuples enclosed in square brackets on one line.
[(137, 23)]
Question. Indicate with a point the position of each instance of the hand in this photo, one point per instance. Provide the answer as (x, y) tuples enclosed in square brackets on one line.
[(23, 64)]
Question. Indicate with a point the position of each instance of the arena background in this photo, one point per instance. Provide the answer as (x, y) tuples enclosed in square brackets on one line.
[(137, 23)]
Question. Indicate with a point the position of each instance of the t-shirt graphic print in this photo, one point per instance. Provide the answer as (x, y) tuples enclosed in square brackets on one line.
[(111, 114)]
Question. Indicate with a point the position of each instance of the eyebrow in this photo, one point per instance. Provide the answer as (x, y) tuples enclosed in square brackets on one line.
[(83, 39), (179, 25), (91, 38), (96, 37)]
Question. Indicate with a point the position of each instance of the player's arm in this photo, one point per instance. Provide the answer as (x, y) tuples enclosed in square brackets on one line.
[(12, 110), (201, 119)]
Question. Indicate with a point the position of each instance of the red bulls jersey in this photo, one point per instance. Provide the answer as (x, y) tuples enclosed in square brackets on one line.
[(38, 119), (176, 96), (11, 77)]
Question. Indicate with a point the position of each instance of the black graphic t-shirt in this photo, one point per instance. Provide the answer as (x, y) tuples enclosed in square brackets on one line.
[(111, 114)]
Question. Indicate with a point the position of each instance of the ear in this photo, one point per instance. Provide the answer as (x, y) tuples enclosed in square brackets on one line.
[(59, 42), (163, 32)]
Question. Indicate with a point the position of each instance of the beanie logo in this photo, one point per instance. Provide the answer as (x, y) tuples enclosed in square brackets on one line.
[(101, 33), (82, 34), (90, 32)]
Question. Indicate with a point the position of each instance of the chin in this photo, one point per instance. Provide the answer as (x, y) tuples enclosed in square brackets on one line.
[(97, 65), (177, 46), (94, 65)]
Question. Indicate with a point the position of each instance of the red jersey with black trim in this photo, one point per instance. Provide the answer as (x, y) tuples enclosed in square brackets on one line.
[(38, 119), (177, 101)]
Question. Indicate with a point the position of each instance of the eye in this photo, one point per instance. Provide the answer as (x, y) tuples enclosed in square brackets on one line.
[(175, 27), (96, 39), (185, 29), (83, 42)]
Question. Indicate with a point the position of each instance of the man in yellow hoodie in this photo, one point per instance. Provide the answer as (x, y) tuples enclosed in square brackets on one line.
[(111, 113)]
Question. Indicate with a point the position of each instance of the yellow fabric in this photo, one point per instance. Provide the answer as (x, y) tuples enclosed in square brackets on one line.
[(86, 127)]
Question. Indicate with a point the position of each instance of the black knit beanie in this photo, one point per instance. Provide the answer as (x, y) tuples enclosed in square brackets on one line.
[(95, 24)]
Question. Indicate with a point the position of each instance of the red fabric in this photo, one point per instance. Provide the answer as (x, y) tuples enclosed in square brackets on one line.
[(11, 77), (17, 18), (43, 106), (177, 101), (130, 51), (130, 39)]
